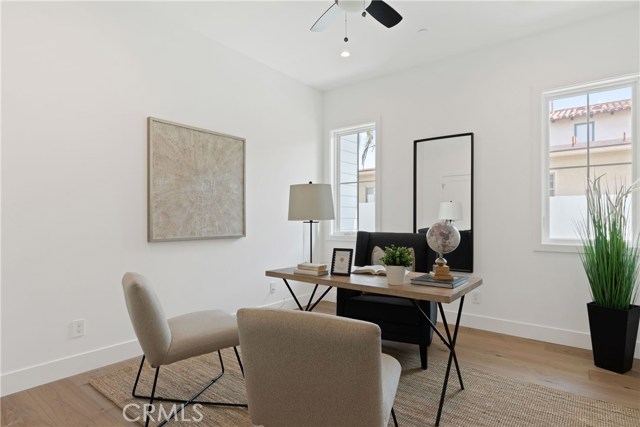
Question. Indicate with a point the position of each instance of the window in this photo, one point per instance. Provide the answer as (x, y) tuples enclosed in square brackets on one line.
[(574, 154), (355, 179), (584, 132)]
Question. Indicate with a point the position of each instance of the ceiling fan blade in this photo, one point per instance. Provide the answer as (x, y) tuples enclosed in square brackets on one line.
[(384, 13), (327, 18)]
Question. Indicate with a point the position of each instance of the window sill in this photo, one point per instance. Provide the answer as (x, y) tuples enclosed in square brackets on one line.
[(342, 237), (571, 248)]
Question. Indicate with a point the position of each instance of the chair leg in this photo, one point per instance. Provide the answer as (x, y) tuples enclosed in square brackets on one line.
[(239, 361), (149, 408), (393, 415), (184, 402), (135, 384)]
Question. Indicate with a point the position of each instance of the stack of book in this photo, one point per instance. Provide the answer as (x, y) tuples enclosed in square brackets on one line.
[(311, 269), (428, 280)]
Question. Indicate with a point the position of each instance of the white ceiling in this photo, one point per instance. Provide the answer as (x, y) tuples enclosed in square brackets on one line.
[(277, 34)]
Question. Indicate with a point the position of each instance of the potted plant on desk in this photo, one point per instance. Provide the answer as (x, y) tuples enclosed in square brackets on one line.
[(610, 257), (396, 259)]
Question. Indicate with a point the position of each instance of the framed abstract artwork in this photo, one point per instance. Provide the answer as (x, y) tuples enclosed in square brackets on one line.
[(196, 183)]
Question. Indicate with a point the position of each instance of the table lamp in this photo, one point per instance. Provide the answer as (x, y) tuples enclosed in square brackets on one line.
[(309, 203), (443, 237)]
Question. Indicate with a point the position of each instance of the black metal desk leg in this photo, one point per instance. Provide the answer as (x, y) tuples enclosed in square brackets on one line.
[(452, 355), (452, 342), (433, 326), (293, 295), (309, 306), (455, 338), (319, 299)]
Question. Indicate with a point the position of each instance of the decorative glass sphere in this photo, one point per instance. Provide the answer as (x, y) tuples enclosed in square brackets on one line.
[(443, 237)]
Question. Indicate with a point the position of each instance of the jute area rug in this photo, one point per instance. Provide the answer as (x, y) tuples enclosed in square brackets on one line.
[(487, 401)]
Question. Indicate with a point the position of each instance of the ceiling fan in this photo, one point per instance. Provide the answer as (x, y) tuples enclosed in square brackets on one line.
[(378, 9)]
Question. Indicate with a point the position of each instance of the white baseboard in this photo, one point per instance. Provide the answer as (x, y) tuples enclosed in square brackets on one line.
[(529, 330), (25, 378), (32, 376), (287, 303)]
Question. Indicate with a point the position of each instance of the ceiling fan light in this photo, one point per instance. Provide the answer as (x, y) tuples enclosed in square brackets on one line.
[(351, 6), (345, 53)]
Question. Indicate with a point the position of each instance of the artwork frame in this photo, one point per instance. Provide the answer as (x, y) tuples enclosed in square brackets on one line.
[(341, 262), (195, 183)]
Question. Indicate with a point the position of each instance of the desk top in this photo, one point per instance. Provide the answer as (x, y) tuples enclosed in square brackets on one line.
[(379, 285)]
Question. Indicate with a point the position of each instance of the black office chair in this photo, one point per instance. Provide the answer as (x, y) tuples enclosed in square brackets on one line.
[(397, 317)]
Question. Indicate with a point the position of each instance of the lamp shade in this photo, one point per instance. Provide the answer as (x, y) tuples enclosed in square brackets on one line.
[(450, 211), (309, 202)]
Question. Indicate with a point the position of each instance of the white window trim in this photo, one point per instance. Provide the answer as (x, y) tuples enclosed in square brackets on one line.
[(351, 236), (555, 180), (543, 242)]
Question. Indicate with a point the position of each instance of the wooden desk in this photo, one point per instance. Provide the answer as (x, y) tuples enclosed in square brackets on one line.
[(414, 293)]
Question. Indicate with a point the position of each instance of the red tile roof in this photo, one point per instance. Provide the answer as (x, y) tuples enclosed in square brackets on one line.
[(605, 107)]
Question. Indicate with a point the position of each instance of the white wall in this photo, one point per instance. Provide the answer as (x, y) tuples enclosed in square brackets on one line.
[(78, 82), (495, 93)]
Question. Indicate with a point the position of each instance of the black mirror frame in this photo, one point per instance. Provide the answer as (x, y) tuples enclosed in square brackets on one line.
[(415, 189)]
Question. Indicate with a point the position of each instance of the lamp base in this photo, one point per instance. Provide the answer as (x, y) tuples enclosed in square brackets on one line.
[(441, 272)]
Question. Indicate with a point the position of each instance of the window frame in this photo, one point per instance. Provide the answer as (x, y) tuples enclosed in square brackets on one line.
[(544, 241), (335, 234), (553, 180)]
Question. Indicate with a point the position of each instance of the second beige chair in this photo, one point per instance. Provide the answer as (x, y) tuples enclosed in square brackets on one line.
[(166, 341), (315, 370)]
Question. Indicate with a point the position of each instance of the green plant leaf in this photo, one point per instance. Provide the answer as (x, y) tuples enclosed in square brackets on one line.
[(609, 256), (397, 255)]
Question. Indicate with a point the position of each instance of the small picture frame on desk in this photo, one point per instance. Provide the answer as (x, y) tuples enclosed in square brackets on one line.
[(341, 262)]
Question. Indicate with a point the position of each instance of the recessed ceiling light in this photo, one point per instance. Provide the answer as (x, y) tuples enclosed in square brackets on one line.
[(345, 53)]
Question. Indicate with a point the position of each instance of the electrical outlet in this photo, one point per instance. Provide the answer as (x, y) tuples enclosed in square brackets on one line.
[(272, 287), (77, 328), (475, 297)]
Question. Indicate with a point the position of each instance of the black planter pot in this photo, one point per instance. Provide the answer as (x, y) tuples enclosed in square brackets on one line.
[(613, 336)]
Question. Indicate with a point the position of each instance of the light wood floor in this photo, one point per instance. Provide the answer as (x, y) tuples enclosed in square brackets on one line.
[(73, 402)]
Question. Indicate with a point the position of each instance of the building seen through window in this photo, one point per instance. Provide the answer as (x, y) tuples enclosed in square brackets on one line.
[(355, 179)]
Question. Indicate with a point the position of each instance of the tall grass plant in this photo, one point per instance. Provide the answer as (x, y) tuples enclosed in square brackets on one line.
[(610, 254)]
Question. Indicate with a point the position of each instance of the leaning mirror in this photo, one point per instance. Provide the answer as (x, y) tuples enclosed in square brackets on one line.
[(443, 172)]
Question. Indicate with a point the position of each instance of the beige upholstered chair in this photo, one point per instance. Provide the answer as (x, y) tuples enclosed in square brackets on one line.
[(315, 370), (165, 341)]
